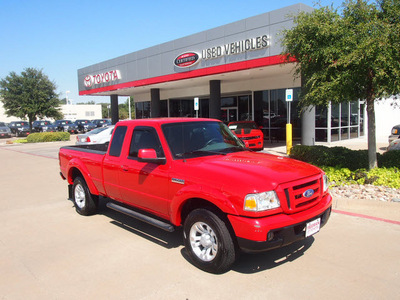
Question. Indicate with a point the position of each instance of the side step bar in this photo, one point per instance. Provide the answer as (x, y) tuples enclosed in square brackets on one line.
[(134, 214)]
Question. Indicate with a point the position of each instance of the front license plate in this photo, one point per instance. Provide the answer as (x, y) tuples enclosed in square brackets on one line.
[(313, 227)]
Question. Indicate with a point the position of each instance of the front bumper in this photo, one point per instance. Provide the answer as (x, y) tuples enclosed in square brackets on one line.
[(252, 233), (282, 236)]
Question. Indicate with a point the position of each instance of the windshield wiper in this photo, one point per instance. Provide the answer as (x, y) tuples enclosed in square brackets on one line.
[(194, 152)]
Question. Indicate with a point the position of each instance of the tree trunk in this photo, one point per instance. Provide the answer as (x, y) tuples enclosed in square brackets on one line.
[(372, 158)]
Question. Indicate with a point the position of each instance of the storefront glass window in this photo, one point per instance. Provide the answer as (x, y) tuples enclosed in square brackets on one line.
[(321, 123), (142, 110), (344, 120), (229, 102), (164, 108), (245, 108), (181, 108)]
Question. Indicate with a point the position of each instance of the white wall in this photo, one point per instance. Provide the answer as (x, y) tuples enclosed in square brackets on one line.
[(71, 112), (387, 114), (81, 111)]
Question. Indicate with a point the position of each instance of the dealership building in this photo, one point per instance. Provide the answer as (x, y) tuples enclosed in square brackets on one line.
[(233, 72)]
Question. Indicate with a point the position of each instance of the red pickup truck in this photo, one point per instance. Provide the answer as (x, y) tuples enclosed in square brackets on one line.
[(197, 174)]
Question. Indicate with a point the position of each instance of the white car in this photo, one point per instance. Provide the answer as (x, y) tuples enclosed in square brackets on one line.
[(99, 135)]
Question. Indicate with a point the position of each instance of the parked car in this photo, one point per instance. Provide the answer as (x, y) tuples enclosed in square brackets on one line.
[(84, 125), (102, 122), (43, 126), (66, 125), (395, 134), (249, 133), (394, 145), (99, 135), (19, 128), (5, 131)]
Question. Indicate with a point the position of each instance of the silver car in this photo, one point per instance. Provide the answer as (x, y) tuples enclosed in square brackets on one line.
[(99, 135)]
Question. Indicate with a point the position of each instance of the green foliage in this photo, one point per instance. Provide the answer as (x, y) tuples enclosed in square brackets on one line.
[(333, 157), (40, 137), (389, 159), (344, 166), (352, 55), (30, 95), (347, 56), (389, 177)]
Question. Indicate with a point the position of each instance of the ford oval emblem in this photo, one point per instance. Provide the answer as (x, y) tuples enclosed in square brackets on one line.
[(308, 193), (186, 59)]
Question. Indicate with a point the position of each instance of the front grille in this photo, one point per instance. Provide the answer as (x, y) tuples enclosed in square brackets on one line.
[(301, 195)]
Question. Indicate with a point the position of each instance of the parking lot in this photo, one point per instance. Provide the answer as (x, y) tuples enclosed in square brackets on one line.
[(48, 251)]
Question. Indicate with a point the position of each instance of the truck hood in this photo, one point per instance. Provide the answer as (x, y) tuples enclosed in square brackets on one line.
[(261, 170)]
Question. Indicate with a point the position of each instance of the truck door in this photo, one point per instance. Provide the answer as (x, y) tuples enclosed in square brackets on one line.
[(112, 163), (145, 184)]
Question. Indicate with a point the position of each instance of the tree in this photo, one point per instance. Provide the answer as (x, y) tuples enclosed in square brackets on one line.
[(348, 56), (29, 95), (124, 109)]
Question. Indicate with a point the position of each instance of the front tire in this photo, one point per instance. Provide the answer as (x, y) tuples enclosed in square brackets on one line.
[(208, 241), (85, 202)]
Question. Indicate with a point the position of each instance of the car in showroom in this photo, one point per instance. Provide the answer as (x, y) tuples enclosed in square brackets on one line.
[(395, 133), (249, 133), (84, 125), (19, 128), (43, 126), (102, 122), (5, 131), (99, 135)]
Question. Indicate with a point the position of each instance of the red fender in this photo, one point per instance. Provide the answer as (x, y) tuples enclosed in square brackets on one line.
[(78, 164), (214, 196)]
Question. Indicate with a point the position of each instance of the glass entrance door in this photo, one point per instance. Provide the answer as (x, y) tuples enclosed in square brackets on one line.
[(229, 114)]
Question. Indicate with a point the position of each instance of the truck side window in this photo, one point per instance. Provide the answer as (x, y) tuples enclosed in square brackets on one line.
[(145, 138), (117, 141)]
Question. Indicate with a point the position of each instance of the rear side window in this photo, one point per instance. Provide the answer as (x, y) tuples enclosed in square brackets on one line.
[(117, 141)]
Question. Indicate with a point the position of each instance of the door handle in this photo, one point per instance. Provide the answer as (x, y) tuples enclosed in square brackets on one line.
[(125, 168)]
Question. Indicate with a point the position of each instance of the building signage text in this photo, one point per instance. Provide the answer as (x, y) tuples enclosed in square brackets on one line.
[(237, 47), (105, 77)]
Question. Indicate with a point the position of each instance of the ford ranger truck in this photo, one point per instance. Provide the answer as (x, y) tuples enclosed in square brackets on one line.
[(196, 173)]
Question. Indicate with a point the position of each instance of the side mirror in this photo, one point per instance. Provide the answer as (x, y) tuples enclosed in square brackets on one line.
[(150, 156)]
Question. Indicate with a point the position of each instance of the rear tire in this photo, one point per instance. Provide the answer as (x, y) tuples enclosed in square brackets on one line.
[(85, 202), (208, 241)]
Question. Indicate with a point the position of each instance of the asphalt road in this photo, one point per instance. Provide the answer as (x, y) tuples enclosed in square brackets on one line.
[(48, 251)]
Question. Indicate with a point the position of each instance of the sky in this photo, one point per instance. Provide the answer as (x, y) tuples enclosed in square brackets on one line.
[(60, 37)]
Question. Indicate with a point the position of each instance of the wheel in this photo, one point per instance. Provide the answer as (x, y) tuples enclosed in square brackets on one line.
[(208, 241), (85, 202)]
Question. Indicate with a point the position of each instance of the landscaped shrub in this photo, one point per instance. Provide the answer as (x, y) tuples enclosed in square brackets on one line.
[(342, 157), (39, 137), (389, 159), (344, 166)]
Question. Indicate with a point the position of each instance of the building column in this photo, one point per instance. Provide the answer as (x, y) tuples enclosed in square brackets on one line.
[(215, 99), (114, 109), (308, 126), (155, 103)]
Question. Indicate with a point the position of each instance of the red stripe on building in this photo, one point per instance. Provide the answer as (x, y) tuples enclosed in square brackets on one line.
[(233, 67)]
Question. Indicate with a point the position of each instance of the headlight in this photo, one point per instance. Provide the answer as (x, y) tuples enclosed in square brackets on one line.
[(394, 131), (326, 183), (262, 201)]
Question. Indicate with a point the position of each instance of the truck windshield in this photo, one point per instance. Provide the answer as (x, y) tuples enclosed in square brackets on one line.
[(195, 139)]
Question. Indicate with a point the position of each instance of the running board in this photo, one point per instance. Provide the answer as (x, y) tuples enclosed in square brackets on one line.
[(134, 214)]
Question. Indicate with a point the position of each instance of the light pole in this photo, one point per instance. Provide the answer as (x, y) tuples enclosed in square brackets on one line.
[(66, 96)]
